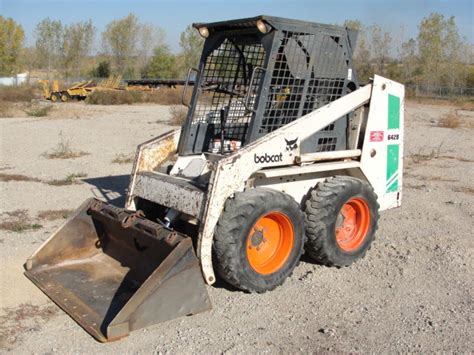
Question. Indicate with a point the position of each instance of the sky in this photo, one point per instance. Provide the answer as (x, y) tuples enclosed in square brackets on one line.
[(174, 15)]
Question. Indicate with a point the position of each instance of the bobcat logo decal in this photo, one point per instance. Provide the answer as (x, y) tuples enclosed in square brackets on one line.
[(291, 144)]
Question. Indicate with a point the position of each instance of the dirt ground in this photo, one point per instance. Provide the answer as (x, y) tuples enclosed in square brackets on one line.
[(413, 292)]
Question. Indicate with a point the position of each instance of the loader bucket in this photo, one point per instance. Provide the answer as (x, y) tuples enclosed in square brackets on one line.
[(114, 271)]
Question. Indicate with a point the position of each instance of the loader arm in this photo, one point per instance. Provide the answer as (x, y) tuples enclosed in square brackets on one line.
[(272, 150)]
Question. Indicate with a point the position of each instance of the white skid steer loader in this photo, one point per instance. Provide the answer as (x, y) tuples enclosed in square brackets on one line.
[(281, 152)]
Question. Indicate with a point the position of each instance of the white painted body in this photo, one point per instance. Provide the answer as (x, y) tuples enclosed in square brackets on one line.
[(269, 162)]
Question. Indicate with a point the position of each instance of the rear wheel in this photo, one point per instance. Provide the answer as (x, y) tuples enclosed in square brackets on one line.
[(341, 220), (259, 239)]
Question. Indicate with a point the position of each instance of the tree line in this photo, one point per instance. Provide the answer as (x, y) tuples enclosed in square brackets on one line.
[(127, 47), (437, 56)]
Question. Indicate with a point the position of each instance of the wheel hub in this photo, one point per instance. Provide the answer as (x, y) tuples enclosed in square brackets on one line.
[(352, 224), (270, 242), (257, 238)]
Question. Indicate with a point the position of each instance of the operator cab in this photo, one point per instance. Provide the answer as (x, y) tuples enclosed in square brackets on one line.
[(258, 74)]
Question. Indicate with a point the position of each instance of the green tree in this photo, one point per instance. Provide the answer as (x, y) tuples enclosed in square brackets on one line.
[(49, 34), (162, 65), (77, 42), (361, 56), (409, 60), (151, 37), (11, 44), (102, 70), (191, 46), (442, 51), (120, 40), (381, 44)]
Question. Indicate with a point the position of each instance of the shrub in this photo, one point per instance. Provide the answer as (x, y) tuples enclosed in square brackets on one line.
[(123, 158), (178, 115), (162, 96), (63, 150), (39, 111), (450, 120)]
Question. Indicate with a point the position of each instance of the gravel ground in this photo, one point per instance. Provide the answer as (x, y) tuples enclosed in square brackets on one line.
[(412, 293)]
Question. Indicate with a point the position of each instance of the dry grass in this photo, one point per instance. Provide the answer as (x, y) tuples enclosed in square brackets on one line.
[(71, 179), (52, 215), (178, 115), (464, 189), (426, 155), (463, 103), (433, 178), (19, 321), (461, 159), (449, 120), (22, 93), (17, 221), (162, 96), (123, 158), (5, 109), (64, 151), (17, 177)]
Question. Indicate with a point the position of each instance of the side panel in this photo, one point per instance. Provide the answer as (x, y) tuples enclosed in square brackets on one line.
[(382, 151), (149, 156)]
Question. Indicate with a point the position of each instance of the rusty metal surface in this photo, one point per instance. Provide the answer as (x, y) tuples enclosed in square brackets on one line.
[(114, 272), (150, 155), (170, 191)]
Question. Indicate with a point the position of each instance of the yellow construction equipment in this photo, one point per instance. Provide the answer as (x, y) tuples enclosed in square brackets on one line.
[(78, 91)]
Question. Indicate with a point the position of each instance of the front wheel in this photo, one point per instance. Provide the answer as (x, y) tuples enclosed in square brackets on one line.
[(55, 97), (341, 220), (259, 239)]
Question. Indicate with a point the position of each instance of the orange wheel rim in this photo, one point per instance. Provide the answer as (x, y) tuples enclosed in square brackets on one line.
[(269, 243), (352, 224)]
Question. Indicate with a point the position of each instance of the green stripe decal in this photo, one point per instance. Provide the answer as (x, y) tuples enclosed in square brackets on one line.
[(393, 112), (392, 166)]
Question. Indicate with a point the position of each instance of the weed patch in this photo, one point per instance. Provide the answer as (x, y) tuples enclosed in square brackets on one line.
[(17, 177), (5, 109), (21, 93), (450, 120), (19, 320), (178, 115), (39, 111), (64, 151), (464, 189), (17, 221), (123, 158), (162, 96), (424, 155), (71, 179)]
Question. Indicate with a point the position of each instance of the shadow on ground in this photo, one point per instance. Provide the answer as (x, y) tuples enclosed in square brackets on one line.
[(112, 189)]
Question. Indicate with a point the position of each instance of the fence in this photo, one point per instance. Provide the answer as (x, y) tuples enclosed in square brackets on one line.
[(438, 92)]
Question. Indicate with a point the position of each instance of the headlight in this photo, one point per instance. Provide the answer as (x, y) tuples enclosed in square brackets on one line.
[(263, 26), (204, 32)]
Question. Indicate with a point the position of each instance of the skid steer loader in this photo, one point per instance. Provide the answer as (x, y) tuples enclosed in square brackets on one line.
[(282, 151)]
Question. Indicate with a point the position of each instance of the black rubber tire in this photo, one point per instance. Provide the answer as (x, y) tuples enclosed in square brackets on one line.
[(55, 97), (65, 97), (322, 210), (240, 214)]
